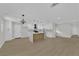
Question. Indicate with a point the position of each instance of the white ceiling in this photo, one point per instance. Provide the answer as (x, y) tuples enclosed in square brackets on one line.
[(41, 12)]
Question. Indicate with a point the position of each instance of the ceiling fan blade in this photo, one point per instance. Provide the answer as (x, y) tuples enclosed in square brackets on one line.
[(54, 4)]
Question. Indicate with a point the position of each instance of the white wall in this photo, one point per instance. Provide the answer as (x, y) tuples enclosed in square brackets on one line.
[(64, 30), (8, 30), (2, 34), (75, 28), (49, 30), (17, 30), (24, 31)]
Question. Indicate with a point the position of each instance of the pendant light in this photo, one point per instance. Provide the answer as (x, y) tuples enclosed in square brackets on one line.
[(23, 21)]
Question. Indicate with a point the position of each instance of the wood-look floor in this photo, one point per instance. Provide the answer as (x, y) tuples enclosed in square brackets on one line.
[(48, 47)]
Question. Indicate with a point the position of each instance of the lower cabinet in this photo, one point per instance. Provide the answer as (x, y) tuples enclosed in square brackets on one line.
[(38, 37)]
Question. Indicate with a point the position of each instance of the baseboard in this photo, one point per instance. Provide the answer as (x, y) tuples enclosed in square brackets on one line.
[(24, 37), (10, 39), (2, 43)]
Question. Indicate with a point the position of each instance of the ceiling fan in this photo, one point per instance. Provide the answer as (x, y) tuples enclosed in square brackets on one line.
[(54, 4)]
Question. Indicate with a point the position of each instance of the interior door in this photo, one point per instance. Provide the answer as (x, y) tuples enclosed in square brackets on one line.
[(17, 30), (8, 30), (1, 32)]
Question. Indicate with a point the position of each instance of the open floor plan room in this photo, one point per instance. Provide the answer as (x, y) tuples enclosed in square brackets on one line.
[(39, 29)]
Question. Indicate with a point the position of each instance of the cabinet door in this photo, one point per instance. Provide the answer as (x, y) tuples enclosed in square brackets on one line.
[(38, 37)]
